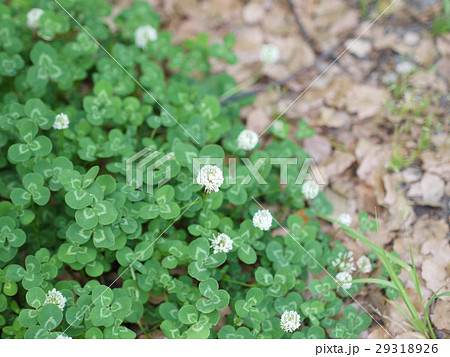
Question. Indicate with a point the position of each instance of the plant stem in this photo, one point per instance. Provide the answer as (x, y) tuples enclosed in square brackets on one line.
[(239, 282), (152, 135), (276, 333), (194, 203), (143, 329), (154, 327)]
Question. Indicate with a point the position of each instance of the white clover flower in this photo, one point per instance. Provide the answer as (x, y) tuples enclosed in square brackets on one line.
[(269, 54), (221, 243), (247, 139), (61, 122), (55, 297), (364, 264), (33, 17), (144, 34), (405, 67), (344, 262), (345, 219), (290, 321), (310, 189), (262, 219), (211, 177), (344, 278)]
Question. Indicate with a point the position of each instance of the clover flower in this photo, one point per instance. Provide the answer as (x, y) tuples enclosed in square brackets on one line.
[(344, 278), (290, 321), (364, 264), (345, 219), (61, 122), (33, 17), (211, 177), (143, 35), (262, 219), (221, 243), (55, 297), (344, 262), (310, 189), (269, 54), (247, 139)]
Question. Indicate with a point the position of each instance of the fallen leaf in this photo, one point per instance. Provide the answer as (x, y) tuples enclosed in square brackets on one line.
[(432, 187), (441, 315)]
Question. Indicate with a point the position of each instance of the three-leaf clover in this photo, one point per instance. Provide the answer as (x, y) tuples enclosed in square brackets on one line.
[(9, 234), (33, 145), (215, 298), (352, 324), (34, 191), (46, 66), (248, 306), (103, 105), (199, 251), (108, 307), (163, 205)]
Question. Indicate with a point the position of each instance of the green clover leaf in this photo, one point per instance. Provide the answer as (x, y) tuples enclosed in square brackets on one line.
[(103, 105), (163, 206), (46, 66), (248, 307), (34, 191), (229, 332), (10, 65), (33, 146), (9, 234), (215, 298), (199, 251)]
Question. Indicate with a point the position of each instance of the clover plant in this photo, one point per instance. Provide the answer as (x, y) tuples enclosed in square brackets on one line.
[(87, 253)]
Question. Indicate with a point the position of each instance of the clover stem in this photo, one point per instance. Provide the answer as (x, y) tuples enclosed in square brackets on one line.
[(152, 135), (143, 329), (194, 203), (276, 333), (253, 233), (154, 327), (239, 282), (61, 143), (133, 275)]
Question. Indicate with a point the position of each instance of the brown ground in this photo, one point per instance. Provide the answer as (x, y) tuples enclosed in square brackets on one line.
[(358, 132)]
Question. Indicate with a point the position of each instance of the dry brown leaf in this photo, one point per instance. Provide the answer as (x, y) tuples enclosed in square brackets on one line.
[(253, 12), (432, 187), (434, 273), (426, 52), (318, 147), (258, 120), (366, 101), (441, 315)]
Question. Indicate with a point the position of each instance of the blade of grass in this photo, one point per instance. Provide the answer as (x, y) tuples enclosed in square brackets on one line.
[(375, 281), (412, 309)]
